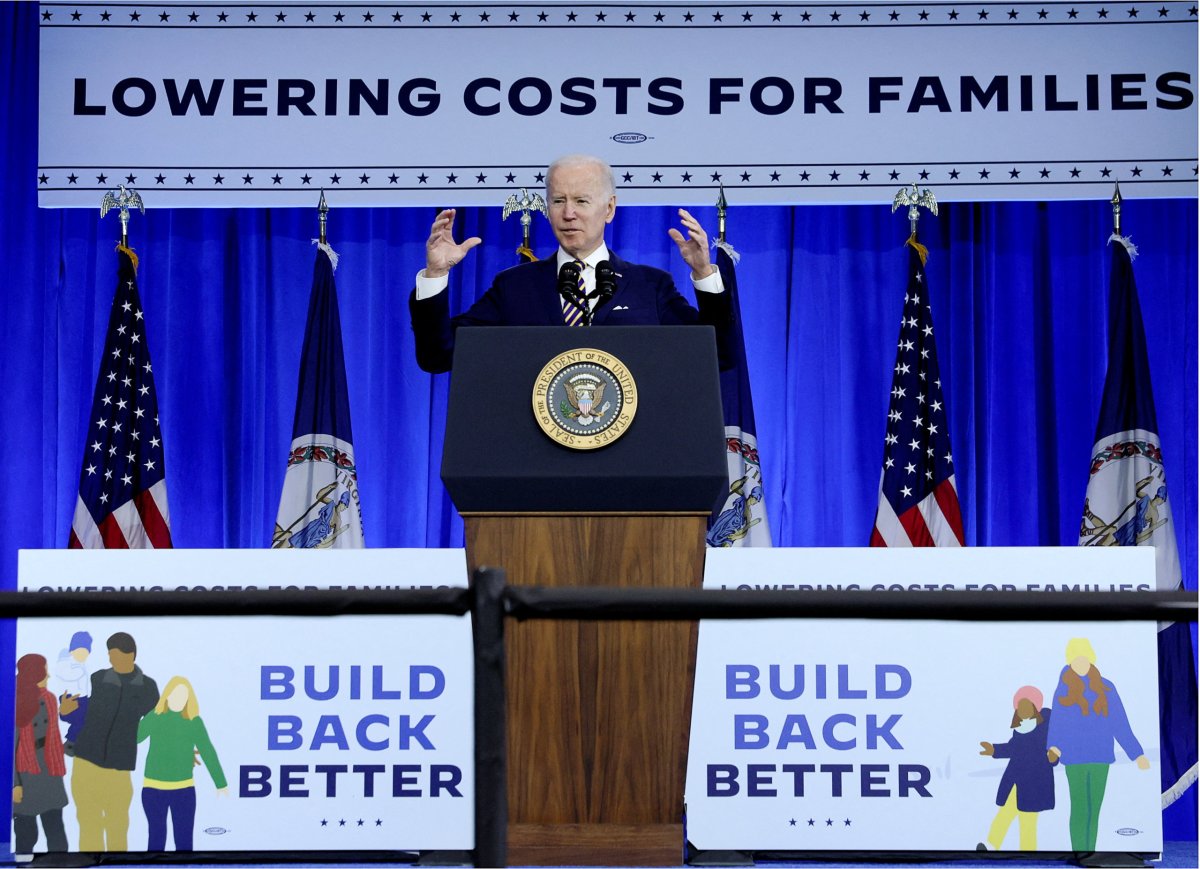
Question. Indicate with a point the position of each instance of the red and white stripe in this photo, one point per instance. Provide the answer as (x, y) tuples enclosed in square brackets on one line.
[(934, 521), (143, 522)]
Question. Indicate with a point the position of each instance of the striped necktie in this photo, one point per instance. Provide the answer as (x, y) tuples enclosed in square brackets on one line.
[(573, 316)]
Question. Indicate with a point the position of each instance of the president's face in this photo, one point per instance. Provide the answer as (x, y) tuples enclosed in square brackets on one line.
[(580, 206)]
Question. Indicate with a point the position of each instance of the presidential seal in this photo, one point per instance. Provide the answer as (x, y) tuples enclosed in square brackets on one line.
[(584, 398)]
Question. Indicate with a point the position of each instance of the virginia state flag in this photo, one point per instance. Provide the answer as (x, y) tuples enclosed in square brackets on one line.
[(1127, 505), (743, 518), (319, 505)]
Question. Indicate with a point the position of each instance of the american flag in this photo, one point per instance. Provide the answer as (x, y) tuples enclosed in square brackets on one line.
[(122, 486), (918, 502)]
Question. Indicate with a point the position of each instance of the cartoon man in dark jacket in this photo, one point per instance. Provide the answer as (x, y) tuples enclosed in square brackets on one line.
[(106, 750)]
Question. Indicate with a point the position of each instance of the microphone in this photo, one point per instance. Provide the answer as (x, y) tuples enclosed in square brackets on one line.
[(606, 282), (568, 285)]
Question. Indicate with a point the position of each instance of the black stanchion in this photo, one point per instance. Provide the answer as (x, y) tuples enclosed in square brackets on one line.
[(491, 747)]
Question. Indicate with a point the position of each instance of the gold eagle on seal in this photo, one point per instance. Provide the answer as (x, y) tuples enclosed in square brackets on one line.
[(585, 392)]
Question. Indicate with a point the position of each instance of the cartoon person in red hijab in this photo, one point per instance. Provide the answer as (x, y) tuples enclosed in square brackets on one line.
[(39, 768)]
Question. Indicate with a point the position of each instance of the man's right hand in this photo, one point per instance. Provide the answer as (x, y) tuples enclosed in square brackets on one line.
[(441, 253)]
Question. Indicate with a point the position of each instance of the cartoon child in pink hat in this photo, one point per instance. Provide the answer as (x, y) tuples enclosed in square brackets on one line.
[(1027, 786)]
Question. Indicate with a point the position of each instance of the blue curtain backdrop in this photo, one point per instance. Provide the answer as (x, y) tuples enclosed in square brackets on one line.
[(1019, 295)]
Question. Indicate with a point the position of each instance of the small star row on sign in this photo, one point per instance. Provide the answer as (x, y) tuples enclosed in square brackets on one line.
[(1024, 173), (791, 15), (819, 822), (343, 822)]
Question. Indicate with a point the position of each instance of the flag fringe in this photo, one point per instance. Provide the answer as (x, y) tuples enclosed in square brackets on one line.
[(729, 250), (527, 253), (329, 252), (922, 250), (1180, 787), (128, 251), (1126, 243)]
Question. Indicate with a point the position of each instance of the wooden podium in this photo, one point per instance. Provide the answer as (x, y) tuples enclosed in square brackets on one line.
[(598, 712)]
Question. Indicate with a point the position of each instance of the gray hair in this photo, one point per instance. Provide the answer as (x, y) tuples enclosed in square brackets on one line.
[(573, 160)]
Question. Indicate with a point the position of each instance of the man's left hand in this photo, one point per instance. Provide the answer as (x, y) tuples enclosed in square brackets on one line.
[(694, 248)]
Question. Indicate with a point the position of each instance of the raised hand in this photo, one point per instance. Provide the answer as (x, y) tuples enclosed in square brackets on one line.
[(694, 248), (441, 252)]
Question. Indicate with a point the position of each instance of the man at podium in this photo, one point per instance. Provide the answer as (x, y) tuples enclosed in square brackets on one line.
[(584, 284)]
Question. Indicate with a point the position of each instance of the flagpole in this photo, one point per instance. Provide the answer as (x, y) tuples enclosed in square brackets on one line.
[(524, 204), (1116, 208), (915, 199), (122, 199), (323, 218), (721, 206)]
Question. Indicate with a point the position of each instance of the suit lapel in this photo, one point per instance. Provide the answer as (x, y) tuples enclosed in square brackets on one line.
[(545, 289)]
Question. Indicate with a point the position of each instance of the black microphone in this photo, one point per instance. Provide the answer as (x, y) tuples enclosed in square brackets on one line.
[(568, 284), (606, 282)]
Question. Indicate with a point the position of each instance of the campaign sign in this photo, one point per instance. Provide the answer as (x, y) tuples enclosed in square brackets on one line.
[(827, 735), (253, 733)]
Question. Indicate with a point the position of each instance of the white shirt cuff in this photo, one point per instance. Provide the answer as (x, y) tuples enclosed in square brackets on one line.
[(427, 288), (710, 284)]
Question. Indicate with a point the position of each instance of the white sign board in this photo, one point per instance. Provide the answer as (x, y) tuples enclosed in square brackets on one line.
[(332, 733), (405, 104), (828, 735)]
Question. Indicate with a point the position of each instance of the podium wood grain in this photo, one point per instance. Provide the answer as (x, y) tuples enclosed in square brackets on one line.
[(599, 712)]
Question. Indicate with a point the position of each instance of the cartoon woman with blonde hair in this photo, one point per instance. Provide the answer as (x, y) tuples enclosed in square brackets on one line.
[(1088, 718), (176, 732)]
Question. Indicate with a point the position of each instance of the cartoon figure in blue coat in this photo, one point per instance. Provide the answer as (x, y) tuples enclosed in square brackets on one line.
[(1027, 786)]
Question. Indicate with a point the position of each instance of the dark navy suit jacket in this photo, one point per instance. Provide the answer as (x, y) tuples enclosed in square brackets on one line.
[(527, 295)]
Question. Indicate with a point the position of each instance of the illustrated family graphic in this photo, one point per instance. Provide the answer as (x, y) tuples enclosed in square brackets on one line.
[(1078, 730), (93, 724)]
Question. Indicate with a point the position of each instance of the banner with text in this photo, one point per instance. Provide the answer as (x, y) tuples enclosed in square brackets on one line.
[(832, 735), (309, 733), (403, 104)]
